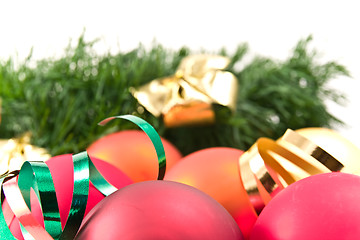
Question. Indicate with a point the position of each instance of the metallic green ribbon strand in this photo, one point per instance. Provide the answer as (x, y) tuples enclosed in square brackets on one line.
[(80, 195), (152, 134), (4, 229), (37, 176), (19, 206)]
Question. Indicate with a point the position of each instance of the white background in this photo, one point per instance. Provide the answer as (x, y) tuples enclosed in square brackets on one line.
[(271, 28)]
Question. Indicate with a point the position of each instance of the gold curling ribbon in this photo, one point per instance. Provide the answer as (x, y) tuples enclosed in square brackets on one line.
[(269, 166), (186, 97), (14, 152)]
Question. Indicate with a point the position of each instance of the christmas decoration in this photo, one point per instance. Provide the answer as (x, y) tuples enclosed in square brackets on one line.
[(16, 188), (272, 165), (324, 206), (255, 179), (51, 97), (215, 172), (159, 210), (133, 153), (61, 168), (14, 152), (186, 97), (336, 145)]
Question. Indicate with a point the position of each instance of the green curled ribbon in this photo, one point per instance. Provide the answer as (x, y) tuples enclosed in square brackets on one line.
[(152, 134), (36, 175)]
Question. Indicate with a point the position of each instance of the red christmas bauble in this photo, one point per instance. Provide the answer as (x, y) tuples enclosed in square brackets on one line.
[(158, 210), (133, 153), (215, 171), (62, 170), (323, 206)]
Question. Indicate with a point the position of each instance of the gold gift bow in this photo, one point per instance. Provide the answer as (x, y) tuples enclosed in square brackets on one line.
[(198, 78), (265, 167), (15, 151)]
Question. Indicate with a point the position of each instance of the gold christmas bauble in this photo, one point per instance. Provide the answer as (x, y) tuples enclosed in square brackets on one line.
[(337, 145)]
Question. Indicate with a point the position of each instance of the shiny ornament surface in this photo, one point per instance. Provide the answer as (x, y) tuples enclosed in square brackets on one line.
[(158, 210), (337, 145), (215, 171), (133, 153), (323, 206)]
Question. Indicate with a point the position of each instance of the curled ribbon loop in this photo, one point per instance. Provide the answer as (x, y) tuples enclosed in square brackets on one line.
[(270, 165), (80, 195), (17, 191), (37, 176), (4, 229), (152, 134)]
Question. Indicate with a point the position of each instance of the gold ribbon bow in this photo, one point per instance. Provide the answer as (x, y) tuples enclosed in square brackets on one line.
[(186, 97)]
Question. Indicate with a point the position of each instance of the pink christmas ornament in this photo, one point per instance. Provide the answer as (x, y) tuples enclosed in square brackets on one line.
[(215, 171), (159, 210), (323, 206)]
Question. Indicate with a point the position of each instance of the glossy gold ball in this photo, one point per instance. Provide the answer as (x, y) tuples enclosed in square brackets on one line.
[(337, 145)]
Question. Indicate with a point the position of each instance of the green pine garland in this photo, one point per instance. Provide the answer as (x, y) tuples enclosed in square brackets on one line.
[(60, 101)]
